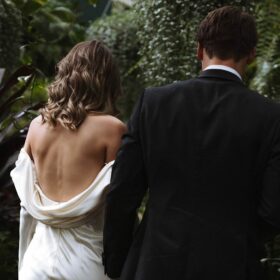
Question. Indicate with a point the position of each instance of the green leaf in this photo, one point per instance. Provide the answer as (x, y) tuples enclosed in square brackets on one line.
[(64, 14), (92, 2)]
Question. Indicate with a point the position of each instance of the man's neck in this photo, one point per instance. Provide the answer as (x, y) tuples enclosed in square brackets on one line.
[(224, 68), (238, 66)]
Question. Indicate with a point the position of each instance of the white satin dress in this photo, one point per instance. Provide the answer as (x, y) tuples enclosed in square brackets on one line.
[(59, 240)]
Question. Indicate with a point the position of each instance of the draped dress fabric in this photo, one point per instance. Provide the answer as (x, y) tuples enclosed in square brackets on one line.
[(59, 240)]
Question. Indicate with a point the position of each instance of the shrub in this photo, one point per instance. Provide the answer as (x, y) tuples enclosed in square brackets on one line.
[(118, 32), (10, 34), (267, 65)]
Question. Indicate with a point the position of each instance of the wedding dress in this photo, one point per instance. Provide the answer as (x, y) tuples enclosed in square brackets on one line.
[(59, 240)]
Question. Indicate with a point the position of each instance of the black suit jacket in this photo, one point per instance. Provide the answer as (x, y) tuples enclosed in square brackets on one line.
[(208, 151)]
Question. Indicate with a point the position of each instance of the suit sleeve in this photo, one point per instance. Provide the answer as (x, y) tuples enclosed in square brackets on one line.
[(269, 207), (126, 191)]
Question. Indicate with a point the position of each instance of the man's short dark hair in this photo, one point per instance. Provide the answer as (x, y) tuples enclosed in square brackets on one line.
[(227, 33)]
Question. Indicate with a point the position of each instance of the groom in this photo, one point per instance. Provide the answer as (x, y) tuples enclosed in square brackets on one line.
[(208, 151)]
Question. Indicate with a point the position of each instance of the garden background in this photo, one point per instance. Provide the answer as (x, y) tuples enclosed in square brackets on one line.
[(154, 44)]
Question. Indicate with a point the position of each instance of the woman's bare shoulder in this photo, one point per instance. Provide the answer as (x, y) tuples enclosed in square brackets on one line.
[(36, 122), (32, 132), (108, 124), (111, 130), (36, 127)]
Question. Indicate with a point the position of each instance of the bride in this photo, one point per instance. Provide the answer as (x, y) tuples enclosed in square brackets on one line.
[(64, 167)]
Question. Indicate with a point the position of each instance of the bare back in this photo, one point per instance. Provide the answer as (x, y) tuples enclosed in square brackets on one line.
[(67, 161)]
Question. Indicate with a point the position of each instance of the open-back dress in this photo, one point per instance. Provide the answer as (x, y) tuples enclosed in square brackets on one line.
[(59, 240)]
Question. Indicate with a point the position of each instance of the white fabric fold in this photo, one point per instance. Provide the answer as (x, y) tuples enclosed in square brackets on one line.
[(26, 231), (71, 213)]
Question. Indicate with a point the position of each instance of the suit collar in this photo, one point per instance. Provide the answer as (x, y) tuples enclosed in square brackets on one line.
[(220, 74)]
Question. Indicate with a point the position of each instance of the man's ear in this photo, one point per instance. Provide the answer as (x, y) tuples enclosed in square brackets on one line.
[(251, 56), (199, 51)]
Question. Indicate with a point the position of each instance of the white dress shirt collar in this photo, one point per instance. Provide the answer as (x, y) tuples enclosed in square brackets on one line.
[(225, 68)]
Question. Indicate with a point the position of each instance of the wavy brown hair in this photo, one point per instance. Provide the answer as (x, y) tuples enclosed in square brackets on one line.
[(87, 81)]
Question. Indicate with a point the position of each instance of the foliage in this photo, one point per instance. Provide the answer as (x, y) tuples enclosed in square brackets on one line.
[(272, 261), (8, 251), (17, 107), (266, 79), (168, 40), (50, 29), (10, 33), (118, 32)]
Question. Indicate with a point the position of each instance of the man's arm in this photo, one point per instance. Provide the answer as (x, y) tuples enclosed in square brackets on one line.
[(126, 191), (269, 206)]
